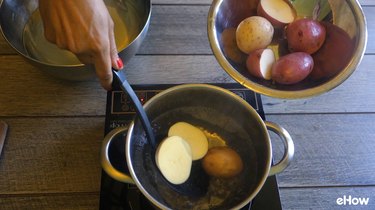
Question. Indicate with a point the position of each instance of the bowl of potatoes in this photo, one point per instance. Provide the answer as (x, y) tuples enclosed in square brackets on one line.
[(213, 150), (288, 48)]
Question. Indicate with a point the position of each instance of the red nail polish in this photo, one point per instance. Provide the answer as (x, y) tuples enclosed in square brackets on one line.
[(120, 64)]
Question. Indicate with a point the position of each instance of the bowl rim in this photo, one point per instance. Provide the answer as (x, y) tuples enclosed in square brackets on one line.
[(289, 94)]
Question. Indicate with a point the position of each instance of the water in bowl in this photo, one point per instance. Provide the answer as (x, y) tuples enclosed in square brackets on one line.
[(127, 26)]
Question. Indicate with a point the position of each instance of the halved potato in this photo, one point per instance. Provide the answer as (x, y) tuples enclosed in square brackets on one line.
[(193, 136), (278, 12), (259, 63), (174, 160)]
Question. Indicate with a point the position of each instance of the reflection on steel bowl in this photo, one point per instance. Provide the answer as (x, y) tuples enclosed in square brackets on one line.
[(22, 28), (334, 61)]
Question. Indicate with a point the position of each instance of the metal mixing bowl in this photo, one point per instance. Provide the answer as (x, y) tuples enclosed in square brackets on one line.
[(228, 13), (22, 28)]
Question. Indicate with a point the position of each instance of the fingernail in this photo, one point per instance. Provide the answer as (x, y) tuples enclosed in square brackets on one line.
[(119, 62)]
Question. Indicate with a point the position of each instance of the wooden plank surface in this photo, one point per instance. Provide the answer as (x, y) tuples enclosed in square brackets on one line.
[(74, 201), (57, 97), (330, 149), (51, 155)]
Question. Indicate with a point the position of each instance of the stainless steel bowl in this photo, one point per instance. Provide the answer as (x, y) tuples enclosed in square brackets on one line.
[(227, 13), (22, 28)]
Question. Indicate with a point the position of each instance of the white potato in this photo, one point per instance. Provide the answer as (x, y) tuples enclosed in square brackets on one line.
[(192, 135), (174, 160), (254, 33)]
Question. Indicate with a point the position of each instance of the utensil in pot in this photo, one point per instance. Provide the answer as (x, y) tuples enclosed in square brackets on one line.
[(197, 184), (214, 109), (125, 86)]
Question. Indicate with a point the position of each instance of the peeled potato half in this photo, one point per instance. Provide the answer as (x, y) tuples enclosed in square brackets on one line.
[(173, 158), (194, 136)]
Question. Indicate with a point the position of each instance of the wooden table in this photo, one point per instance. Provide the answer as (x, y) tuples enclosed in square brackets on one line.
[(51, 154)]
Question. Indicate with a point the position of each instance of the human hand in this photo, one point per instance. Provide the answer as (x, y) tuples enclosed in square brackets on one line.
[(85, 28)]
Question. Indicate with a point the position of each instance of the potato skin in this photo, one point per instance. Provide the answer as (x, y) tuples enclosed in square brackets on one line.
[(292, 68), (234, 11), (222, 162), (253, 64), (276, 23), (335, 53), (254, 33), (305, 35)]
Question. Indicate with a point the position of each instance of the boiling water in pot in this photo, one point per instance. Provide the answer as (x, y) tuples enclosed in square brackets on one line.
[(127, 27)]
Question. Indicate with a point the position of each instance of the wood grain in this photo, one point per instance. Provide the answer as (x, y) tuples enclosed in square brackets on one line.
[(57, 97), (82, 201), (51, 155), (330, 149)]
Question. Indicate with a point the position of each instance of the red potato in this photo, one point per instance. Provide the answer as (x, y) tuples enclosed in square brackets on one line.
[(259, 63), (278, 12), (335, 53), (305, 35), (234, 11), (228, 40), (292, 68)]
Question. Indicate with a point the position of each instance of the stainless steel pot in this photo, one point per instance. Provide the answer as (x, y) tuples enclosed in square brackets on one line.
[(22, 28), (217, 110)]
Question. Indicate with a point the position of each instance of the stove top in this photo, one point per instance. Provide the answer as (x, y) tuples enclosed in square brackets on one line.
[(115, 195)]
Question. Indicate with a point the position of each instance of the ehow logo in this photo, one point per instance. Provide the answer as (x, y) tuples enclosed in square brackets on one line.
[(352, 201)]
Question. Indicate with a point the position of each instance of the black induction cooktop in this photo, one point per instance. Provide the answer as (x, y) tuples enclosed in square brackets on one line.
[(115, 195)]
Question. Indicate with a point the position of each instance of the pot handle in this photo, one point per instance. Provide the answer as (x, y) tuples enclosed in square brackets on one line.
[(288, 147), (106, 163)]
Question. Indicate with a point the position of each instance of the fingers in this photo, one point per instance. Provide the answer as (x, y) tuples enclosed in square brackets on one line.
[(103, 67), (88, 33), (116, 61), (104, 56)]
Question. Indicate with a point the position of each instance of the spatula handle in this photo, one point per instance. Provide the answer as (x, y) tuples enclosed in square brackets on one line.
[(125, 86)]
